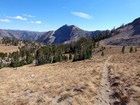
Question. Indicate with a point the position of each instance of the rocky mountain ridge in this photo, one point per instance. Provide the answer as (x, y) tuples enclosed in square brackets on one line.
[(66, 34), (126, 35), (20, 34)]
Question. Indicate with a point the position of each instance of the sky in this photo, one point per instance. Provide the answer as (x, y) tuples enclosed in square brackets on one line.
[(45, 15)]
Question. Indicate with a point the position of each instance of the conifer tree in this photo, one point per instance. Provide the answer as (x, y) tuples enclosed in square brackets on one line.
[(135, 49), (131, 49), (102, 54), (0, 65), (70, 56), (123, 49)]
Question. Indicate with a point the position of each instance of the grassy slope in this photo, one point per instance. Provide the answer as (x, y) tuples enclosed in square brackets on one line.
[(64, 83), (52, 83), (7, 49)]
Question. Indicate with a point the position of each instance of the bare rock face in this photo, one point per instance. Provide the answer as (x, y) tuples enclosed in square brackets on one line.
[(66, 34), (128, 35), (47, 37)]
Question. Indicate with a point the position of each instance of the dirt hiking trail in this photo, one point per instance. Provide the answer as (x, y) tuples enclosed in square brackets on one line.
[(104, 91)]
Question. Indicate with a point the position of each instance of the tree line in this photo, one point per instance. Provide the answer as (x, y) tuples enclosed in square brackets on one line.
[(39, 54)]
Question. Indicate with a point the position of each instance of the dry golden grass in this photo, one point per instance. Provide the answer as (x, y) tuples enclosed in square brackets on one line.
[(7, 49), (51, 84), (127, 66), (67, 83)]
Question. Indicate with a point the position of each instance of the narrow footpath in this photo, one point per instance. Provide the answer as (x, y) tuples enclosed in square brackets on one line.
[(104, 91)]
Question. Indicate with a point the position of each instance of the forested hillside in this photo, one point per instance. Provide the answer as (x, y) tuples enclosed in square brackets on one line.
[(36, 53)]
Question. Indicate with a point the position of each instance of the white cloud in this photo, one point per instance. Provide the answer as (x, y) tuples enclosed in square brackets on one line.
[(27, 15), (36, 22), (5, 20), (82, 15), (20, 18), (17, 17)]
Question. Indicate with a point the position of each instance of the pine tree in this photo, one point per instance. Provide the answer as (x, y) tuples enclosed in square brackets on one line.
[(135, 49), (123, 49), (70, 56), (0, 65), (102, 54), (131, 49)]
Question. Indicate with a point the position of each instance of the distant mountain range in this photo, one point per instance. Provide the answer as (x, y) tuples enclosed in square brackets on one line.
[(22, 35), (128, 34)]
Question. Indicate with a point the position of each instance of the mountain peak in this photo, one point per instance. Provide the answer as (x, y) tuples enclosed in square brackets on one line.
[(136, 21), (70, 26), (66, 34)]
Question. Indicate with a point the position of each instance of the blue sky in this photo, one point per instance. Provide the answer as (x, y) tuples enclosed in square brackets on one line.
[(44, 15)]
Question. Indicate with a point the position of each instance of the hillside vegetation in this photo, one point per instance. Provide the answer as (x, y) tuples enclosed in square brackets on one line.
[(75, 83), (30, 52)]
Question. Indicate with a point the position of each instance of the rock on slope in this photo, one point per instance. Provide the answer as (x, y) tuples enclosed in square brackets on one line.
[(127, 35)]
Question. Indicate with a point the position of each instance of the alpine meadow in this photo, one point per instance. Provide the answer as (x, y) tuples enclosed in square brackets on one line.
[(56, 52)]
